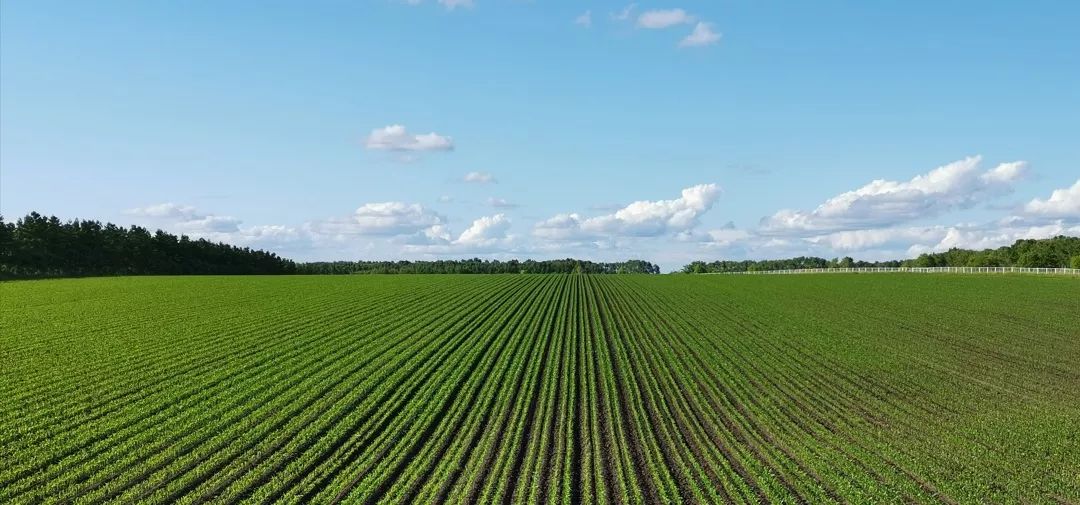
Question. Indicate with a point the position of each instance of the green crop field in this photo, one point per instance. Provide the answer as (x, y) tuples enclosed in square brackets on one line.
[(541, 389)]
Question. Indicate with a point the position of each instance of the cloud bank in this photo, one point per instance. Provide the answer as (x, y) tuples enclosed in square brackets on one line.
[(882, 219), (959, 184)]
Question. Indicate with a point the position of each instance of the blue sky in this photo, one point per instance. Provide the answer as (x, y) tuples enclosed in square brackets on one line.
[(667, 131)]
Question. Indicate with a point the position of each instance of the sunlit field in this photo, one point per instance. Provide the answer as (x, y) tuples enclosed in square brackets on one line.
[(527, 388)]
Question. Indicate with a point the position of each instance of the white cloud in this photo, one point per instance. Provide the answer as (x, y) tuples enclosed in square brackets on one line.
[(560, 227), (210, 224), (501, 203), (393, 218), (967, 239), (479, 178), (487, 234), (1062, 203), (651, 218), (165, 211), (703, 35), (446, 199), (720, 237), (584, 20), (260, 236), (625, 13), (727, 236), (882, 203), (397, 138), (880, 220), (271, 233), (382, 224), (978, 238), (485, 231), (658, 19), (902, 242), (187, 219), (453, 4), (860, 240), (639, 219), (438, 233), (1005, 173)]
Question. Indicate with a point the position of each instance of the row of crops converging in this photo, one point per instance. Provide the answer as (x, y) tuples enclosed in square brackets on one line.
[(540, 389)]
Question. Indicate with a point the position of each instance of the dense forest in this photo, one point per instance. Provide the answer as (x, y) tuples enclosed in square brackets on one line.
[(479, 266), (1057, 252), (39, 246)]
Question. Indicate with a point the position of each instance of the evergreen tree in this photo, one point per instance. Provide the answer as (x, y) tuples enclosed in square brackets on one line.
[(39, 246)]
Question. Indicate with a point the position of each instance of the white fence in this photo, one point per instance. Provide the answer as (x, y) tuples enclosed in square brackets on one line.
[(921, 270)]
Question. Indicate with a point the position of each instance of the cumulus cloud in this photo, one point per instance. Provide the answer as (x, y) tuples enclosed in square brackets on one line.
[(397, 138), (560, 227), (381, 225), (487, 234), (651, 218), (643, 218), (438, 233), (991, 237), (479, 178), (1004, 173), (727, 236), (271, 233), (880, 220), (392, 218), (165, 211), (485, 230), (274, 237), (663, 18), (187, 219), (859, 240), (584, 20), (720, 237), (210, 224), (703, 35), (883, 203), (434, 235), (910, 241), (625, 13), (1064, 203)]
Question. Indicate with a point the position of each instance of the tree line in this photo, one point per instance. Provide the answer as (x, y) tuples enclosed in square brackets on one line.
[(1056, 252), (721, 266), (479, 266), (38, 246)]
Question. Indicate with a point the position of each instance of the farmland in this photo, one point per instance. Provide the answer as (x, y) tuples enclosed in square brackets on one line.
[(541, 389)]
